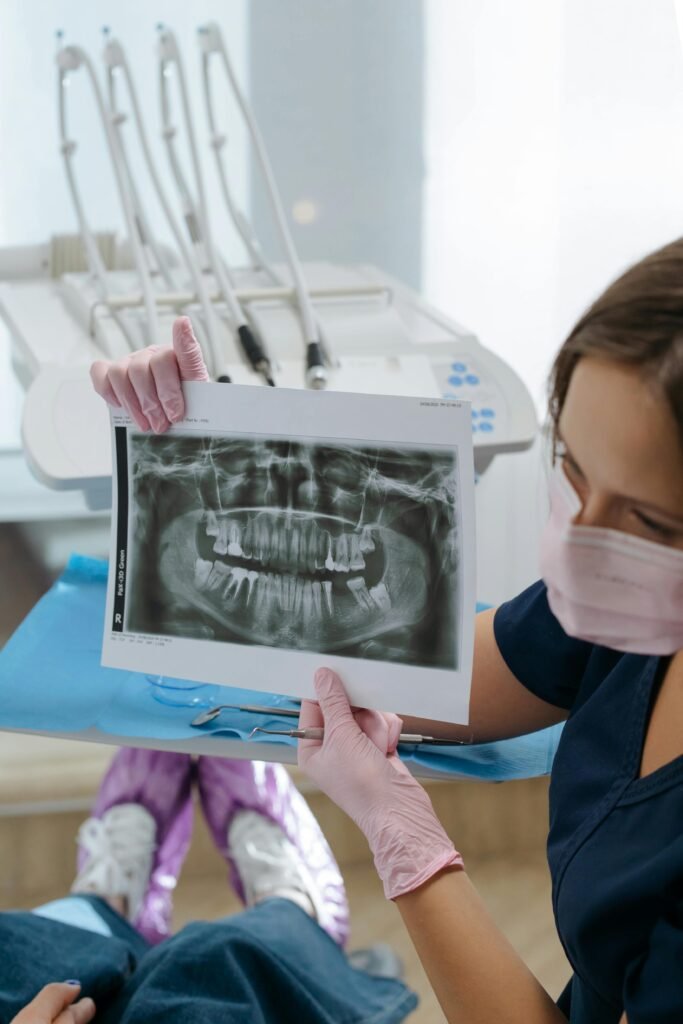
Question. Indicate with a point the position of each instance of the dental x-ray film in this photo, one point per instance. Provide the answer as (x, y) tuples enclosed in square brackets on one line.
[(273, 531)]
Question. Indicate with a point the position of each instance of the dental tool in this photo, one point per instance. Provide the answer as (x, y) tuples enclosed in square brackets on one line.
[(211, 42), (196, 213), (117, 66), (405, 739), (254, 709), (71, 59)]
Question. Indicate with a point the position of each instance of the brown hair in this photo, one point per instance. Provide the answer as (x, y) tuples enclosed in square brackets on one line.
[(637, 321)]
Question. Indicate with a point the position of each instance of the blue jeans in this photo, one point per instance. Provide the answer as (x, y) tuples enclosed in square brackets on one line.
[(271, 964)]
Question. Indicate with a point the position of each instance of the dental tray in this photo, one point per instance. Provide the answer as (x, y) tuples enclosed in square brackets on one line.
[(51, 681)]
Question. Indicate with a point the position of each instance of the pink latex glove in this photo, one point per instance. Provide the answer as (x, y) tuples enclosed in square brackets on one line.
[(357, 766), (147, 383)]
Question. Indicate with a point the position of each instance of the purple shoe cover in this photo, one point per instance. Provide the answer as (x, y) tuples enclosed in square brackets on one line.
[(161, 782), (227, 787)]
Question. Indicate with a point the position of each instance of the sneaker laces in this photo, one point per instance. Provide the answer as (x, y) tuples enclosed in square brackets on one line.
[(119, 850)]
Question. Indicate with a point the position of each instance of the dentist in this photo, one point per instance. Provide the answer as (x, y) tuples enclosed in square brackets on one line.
[(597, 643)]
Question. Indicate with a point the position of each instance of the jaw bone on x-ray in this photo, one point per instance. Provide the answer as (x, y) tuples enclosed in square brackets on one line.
[(327, 547), (273, 531)]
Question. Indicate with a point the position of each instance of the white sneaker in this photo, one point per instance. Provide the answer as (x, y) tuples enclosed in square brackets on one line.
[(116, 854), (269, 865)]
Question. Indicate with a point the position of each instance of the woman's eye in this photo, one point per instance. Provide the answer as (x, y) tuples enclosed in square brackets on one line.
[(571, 466), (663, 532)]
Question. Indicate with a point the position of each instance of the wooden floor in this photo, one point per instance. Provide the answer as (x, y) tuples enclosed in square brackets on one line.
[(46, 785)]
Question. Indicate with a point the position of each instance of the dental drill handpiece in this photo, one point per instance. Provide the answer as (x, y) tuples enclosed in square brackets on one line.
[(211, 41), (197, 218)]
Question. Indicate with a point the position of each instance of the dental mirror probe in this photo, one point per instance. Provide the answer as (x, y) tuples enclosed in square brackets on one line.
[(254, 709), (407, 738)]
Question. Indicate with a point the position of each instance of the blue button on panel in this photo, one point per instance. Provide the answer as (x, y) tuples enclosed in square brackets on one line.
[(457, 382), (475, 427), (459, 367), (471, 378), (488, 413), (475, 414), (486, 427)]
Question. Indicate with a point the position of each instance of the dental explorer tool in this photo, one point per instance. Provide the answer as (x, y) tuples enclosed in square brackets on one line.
[(116, 61), (70, 59), (255, 709), (211, 41), (405, 739), (196, 214)]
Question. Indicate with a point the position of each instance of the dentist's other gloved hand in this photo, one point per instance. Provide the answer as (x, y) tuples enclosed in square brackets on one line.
[(147, 383), (356, 765)]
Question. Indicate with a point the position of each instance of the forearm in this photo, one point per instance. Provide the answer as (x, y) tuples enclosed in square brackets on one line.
[(500, 706), (477, 976)]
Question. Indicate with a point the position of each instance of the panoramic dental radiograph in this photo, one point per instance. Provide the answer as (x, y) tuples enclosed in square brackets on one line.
[(329, 547)]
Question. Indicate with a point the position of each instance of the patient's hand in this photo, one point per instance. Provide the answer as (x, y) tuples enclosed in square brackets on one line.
[(147, 383), (56, 1004)]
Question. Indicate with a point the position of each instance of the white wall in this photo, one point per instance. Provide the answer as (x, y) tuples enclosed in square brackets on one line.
[(34, 202), (554, 151)]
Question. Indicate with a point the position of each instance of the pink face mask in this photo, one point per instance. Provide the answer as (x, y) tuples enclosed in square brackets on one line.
[(608, 587)]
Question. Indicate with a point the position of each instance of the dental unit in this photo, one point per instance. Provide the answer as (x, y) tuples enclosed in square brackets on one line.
[(248, 559), (74, 300)]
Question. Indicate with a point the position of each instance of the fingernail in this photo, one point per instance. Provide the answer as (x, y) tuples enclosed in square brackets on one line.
[(72, 981), (175, 410), (159, 423), (323, 678), (186, 328)]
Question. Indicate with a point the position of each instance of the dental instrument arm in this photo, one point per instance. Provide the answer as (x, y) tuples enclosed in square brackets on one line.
[(211, 40), (156, 259), (196, 214), (69, 59), (218, 141), (115, 59), (477, 976)]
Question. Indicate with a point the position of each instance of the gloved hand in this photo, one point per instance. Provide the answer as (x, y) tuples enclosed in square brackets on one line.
[(147, 383), (357, 766)]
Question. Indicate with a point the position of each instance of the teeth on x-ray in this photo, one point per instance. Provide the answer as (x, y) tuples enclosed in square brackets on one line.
[(235, 585), (212, 527), (360, 593), (380, 596), (299, 545), (366, 541), (303, 546)]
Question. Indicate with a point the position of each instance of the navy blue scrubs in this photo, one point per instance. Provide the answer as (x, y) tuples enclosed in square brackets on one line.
[(615, 846)]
